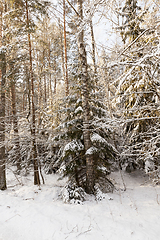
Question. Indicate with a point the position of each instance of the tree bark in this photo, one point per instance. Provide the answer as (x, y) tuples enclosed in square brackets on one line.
[(2, 126), (3, 185), (44, 79), (93, 48), (50, 77), (62, 51), (33, 132), (55, 77), (65, 48), (23, 97), (90, 177)]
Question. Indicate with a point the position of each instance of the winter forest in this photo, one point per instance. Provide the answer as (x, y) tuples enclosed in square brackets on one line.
[(72, 106), (79, 119)]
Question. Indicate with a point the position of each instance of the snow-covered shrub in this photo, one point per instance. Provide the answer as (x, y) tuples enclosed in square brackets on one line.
[(71, 193), (153, 171)]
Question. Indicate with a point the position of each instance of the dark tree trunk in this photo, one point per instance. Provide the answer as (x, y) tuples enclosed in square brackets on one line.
[(93, 48), (3, 185), (2, 126)]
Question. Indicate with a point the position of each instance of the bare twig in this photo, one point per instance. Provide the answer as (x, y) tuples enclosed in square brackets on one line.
[(157, 197), (12, 217), (15, 176), (83, 232), (28, 199)]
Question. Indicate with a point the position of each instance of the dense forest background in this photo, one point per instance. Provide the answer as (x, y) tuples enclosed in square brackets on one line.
[(71, 105)]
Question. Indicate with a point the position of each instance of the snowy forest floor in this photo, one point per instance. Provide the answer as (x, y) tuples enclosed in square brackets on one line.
[(30, 213)]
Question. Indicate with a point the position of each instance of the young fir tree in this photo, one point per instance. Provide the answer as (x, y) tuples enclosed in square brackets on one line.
[(132, 16), (69, 142), (85, 151)]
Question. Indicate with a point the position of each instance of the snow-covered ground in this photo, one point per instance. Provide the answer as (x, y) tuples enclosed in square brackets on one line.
[(29, 213)]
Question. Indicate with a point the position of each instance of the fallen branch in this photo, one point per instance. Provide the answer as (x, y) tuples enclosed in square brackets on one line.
[(83, 232)]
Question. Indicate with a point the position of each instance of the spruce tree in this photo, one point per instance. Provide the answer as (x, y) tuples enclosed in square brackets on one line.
[(138, 90), (69, 142), (131, 19)]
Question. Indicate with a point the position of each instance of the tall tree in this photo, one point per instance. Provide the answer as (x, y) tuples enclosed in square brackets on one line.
[(2, 105), (65, 48), (84, 77), (33, 131)]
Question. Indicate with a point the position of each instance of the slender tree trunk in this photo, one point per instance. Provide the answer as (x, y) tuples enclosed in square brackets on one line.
[(50, 77), (45, 90), (39, 101), (44, 79), (90, 178), (28, 90), (39, 89), (2, 126), (15, 127), (65, 48), (93, 48), (55, 77), (33, 132), (23, 98), (2, 112), (62, 53), (8, 118)]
